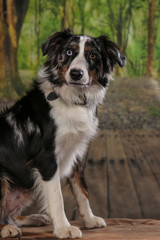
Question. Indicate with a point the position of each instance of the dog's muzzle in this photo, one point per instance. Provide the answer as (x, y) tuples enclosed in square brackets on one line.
[(76, 74)]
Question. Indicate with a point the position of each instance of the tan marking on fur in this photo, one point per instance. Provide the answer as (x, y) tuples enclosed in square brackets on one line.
[(74, 46), (29, 163), (68, 181), (62, 71), (20, 218), (88, 49), (5, 191), (94, 77), (78, 181)]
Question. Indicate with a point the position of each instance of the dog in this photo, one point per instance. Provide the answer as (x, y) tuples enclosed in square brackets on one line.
[(45, 134)]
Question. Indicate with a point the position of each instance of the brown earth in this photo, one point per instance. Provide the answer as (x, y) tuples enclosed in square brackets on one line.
[(131, 103)]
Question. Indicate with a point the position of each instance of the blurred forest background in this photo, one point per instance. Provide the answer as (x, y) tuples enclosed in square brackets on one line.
[(129, 139), (132, 24)]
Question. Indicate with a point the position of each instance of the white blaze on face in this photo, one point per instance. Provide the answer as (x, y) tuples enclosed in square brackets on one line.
[(79, 62)]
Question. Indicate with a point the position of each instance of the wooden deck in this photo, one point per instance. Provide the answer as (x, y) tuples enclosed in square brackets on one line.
[(117, 229), (123, 174)]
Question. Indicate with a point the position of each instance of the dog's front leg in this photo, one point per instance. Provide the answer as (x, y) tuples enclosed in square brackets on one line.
[(62, 227), (79, 189)]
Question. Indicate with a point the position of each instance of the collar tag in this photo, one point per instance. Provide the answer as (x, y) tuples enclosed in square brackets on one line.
[(83, 100)]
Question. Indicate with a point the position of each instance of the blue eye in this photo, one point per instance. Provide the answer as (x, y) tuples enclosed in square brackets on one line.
[(69, 52)]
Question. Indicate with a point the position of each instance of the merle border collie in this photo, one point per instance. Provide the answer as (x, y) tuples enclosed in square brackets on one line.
[(44, 136)]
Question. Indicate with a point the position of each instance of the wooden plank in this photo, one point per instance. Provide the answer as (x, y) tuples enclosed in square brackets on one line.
[(122, 198), (146, 186), (153, 138), (117, 229), (149, 143), (95, 175)]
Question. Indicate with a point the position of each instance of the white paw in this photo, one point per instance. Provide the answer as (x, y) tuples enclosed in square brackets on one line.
[(95, 222), (68, 232), (10, 231)]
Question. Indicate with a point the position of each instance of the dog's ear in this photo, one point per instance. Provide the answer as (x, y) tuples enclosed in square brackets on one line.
[(111, 53), (55, 40)]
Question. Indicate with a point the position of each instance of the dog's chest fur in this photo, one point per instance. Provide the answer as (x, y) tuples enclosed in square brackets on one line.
[(76, 125)]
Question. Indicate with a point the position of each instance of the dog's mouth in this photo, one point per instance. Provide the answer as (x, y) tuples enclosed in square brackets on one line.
[(78, 84)]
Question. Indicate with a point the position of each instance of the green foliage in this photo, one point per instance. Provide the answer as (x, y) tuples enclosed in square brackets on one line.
[(154, 111), (124, 21)]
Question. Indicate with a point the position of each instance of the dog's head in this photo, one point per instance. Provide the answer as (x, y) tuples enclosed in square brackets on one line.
[(81, 60), (78, 66)]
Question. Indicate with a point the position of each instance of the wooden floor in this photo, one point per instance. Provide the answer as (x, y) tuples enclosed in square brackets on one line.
[(123, 174), (117, 229)]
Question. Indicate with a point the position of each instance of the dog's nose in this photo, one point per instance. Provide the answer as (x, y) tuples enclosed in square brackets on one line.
[(76, 74)]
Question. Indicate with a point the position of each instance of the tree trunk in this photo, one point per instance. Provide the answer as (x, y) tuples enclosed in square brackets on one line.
[(151, 38), (119, 26), (67, 14), (82, 16), (38, 28), (64, 19), (12, 13)]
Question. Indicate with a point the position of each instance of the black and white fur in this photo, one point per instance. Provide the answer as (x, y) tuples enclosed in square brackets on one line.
[(44, 136)]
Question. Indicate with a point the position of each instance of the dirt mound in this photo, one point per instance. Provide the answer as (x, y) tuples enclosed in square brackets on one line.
[(131, 103)]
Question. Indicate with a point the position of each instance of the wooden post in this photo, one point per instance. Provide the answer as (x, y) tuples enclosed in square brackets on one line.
[(150, 37)]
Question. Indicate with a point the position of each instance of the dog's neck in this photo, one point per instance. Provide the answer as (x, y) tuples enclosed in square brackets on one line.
[(87, 97), (82, 98)]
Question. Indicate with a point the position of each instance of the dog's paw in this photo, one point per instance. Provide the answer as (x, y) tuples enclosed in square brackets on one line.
[(68, 232), (10, 231), (95, 222)]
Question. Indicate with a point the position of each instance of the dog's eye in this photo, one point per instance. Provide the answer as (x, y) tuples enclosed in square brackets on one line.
[(92, 56), (69, 52)]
